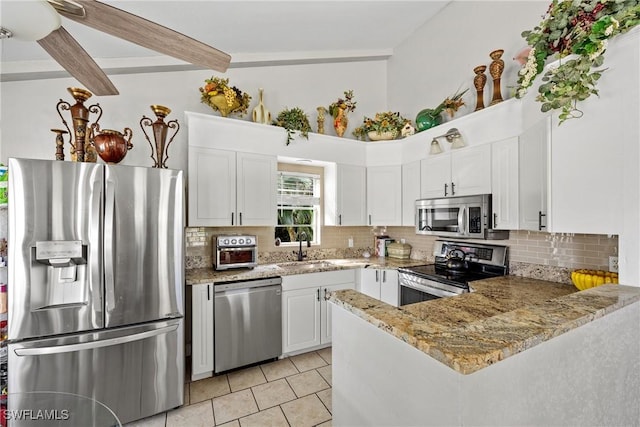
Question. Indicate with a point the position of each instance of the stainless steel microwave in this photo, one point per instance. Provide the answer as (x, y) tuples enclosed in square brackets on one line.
[(466, 217)]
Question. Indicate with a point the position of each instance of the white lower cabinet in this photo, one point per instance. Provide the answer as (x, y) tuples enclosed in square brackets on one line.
[(306, 315), (381, 284), (201, 331)]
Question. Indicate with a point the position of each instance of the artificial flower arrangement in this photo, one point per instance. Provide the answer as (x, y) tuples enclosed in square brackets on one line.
[(346, 104), (383, 123), (582, 28), (293, 119), (219, 95)]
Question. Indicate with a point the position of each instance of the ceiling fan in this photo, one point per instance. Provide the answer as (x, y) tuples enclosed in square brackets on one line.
[(39, 20)]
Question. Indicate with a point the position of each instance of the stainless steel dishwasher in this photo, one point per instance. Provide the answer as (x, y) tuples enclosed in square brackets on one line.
[(248, 322)]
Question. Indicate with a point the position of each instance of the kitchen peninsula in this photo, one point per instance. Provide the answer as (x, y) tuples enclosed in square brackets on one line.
[(514, 352)]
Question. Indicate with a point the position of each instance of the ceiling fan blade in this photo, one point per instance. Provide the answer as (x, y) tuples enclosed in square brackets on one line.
[(143, 32), (67, 52)]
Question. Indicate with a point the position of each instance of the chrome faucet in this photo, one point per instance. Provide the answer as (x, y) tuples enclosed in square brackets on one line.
[(302, 236)]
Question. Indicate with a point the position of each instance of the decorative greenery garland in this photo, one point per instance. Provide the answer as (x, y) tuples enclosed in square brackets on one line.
[(582, 28)]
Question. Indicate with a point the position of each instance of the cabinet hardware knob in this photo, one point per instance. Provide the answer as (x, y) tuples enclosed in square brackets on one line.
[(232, 218), (240, 215), (318, 294), (208, 292), (340, 219), (453, 189), (369, 219), (377, 275), (495, 220), (445, 189), (384, 276)]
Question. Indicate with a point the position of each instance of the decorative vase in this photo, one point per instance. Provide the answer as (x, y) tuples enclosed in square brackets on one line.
[(427, 118), (382, 136), (220, 101), (495, 69), (321, 113), (111, 145), (479, 81), (81, 149), (340, 121), (59, 143), (260, 113), (160, 132)]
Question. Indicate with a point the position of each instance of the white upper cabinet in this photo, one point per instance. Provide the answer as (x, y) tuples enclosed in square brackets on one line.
[(228, 188), (410, 192), (461, 172), (504, 184), (384, 195), (533, 176), (256, 189), (351, 195)]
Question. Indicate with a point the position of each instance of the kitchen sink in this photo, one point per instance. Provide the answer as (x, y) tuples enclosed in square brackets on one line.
[(318, 264), (305, 265)]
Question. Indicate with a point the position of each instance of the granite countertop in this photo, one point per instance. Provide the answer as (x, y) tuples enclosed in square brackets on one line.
[(503, 316), (209, 275)]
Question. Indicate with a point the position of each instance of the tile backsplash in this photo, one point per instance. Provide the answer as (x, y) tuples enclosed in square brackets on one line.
[(532, 253)]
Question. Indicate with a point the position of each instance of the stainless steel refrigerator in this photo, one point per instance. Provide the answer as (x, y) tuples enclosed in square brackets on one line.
[(96, 284)]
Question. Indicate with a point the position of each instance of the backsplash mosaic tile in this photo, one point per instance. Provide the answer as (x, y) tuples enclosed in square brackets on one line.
[(532, 254)]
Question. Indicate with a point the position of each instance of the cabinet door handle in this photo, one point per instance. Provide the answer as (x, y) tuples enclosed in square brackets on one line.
[(240, 215), (369, 219), (495, 220), (384, 276), (453, 189), (377, 275), (340, 219), (326, 294), (445, 189), (208, 292), (540, 226), (232, 218), (318, 294)]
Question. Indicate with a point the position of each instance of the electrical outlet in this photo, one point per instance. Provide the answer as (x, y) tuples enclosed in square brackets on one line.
[(350, 242), (613, 264)]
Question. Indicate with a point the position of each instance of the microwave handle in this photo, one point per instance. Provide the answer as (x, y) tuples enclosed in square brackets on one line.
[(462, 220)]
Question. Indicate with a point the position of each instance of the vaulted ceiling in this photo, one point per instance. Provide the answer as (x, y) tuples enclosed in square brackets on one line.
[(253, 32)]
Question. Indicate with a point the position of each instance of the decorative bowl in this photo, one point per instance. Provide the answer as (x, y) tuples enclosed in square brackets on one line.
[(585, 279)]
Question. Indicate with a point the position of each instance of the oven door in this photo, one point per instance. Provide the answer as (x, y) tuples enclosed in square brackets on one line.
[(415, 289), (227, 258)]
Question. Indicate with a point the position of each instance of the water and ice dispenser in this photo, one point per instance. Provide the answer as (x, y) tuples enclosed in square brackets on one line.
[(59, 274)]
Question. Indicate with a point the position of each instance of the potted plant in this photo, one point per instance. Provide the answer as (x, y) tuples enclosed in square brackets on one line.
[(383, 126), (220, 96), (339, 109), (430, 117), (294, 119), (577, 28)]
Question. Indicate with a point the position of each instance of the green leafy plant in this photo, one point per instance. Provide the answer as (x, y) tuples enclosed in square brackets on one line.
[(294, 119), (581, 28), (382, 122), (347, 103)]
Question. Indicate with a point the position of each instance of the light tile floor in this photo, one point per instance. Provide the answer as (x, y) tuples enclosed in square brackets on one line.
[(294, 392)]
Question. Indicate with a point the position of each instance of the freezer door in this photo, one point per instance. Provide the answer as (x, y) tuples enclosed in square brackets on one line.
[(55, 247), (135, 371), (143, 259)]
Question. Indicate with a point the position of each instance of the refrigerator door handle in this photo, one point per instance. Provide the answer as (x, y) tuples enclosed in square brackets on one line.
[(109, 218), (56, 349)]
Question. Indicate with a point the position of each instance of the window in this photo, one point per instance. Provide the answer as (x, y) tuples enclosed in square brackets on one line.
[(298, 207)]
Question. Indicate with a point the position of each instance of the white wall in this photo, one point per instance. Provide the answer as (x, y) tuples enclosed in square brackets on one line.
[(28, 107), (439, 58)]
